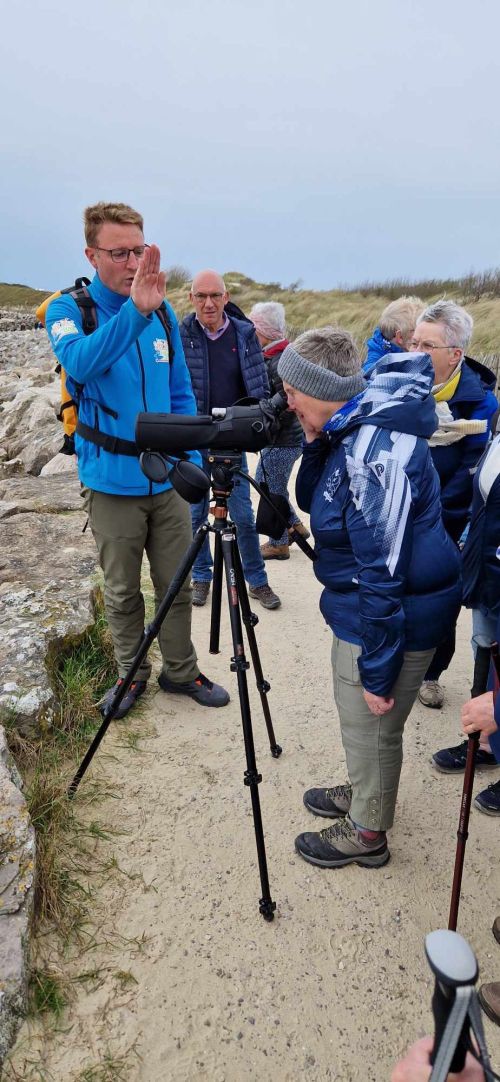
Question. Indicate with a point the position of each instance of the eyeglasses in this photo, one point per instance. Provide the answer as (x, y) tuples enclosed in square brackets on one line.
[(208, 297), (122, 255), (425, 347)]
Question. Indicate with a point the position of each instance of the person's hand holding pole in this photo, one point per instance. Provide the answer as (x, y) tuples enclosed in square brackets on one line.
[(415, 1067), (148, 287), (478, 715)]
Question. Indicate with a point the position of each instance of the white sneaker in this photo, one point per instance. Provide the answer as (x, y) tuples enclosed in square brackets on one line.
[(431, 694)]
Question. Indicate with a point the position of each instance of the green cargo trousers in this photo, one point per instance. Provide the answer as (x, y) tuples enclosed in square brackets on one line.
[(373, 745), (124, 528)]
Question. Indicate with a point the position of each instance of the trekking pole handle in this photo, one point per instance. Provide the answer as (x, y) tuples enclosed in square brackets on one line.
[(454, 965)]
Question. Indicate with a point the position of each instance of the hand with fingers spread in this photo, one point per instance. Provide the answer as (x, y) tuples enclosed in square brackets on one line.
[(148, 289)]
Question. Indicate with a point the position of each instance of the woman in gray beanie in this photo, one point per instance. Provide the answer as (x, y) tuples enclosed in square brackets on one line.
[(390, 572)]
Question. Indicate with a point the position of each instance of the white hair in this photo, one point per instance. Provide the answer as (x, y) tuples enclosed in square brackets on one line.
[(268, 318), (400, 315), (457, 323)]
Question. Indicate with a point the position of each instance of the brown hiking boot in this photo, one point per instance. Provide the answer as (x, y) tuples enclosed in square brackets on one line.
[(266, 596), (275, 552), (489, 998)]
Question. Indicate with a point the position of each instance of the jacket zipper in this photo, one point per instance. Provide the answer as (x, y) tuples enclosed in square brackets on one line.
[(144, 400)]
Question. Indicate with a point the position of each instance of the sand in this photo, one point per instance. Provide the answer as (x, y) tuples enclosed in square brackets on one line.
[(191, 982)]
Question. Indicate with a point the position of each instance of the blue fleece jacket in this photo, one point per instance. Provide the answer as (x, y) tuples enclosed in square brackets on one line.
[(377, 346), (252, 364), (456, 463), (125, 369), (390, 572)]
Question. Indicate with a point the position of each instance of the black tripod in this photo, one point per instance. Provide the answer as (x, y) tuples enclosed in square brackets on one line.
[(224, 468)]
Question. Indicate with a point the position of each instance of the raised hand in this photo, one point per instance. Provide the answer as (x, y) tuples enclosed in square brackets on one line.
[(148, 288)]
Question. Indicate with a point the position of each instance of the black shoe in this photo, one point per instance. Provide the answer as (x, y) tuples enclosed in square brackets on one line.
[(489, 800), (202, 690), (137, 688), (331, 803), (452, 760)]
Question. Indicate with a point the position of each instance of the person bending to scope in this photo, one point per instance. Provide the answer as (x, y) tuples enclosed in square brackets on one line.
[(390, 572)]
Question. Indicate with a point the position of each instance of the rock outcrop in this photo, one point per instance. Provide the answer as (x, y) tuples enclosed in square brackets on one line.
[(17, 856), (48, 571)]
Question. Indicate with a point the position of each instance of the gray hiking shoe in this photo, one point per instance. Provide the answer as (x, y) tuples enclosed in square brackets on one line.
[(201, 591), (331, 803), (340, 844), (266, 596), (202, 690), (431, 694)]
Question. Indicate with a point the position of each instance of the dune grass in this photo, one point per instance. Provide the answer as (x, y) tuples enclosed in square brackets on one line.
[(65, 848)]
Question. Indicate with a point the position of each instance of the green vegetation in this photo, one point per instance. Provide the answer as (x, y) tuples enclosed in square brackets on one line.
[(357, 308), (17, 296), (65, 849), (46, 993)]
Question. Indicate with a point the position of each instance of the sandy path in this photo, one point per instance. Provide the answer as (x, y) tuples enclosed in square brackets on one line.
[(338, 984)]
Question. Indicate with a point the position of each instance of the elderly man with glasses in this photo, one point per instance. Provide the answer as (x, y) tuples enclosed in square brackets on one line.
[(463, 392), (131, 362), (226, 363)]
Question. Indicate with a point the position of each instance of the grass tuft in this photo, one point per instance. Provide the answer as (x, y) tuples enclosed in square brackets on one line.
[(47, 993)]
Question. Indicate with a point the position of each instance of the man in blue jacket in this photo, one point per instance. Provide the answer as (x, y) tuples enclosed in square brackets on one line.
[(226, 363), (130, 364)]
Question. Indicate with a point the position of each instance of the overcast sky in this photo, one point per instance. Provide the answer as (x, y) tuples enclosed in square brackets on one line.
[(329, 141)]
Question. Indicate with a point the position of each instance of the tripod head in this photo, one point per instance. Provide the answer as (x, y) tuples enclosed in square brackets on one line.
[(223, 467)]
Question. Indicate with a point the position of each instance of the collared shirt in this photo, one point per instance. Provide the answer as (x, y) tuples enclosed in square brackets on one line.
[(214, 335)]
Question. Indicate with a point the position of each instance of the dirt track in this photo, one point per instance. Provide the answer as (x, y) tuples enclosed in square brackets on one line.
[(201, 987)]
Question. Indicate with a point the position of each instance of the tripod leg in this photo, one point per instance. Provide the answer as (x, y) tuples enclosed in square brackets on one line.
[(216, 595), (150, 633), (239, 665), (250, 620)]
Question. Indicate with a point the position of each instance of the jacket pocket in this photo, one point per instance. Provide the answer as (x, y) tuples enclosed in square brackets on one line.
[(346, 663)]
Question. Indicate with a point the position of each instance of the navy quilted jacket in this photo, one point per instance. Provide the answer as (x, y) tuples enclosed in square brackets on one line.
[(456, 463), (252, 363)]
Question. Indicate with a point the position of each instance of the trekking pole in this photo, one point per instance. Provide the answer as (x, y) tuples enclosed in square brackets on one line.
[(462, 833)]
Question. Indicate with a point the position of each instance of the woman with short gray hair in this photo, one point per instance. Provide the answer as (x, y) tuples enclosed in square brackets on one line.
[(276, 462), (463, 392), (390, 573)]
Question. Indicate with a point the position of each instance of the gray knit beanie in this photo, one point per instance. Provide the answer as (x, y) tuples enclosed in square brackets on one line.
[(319, 382)]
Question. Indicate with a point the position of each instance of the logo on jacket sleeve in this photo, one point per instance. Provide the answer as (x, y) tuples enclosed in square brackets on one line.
[(161, 354), (63, 327)]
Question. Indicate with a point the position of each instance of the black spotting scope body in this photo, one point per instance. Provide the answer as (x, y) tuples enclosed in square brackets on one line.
[(247, 427)]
